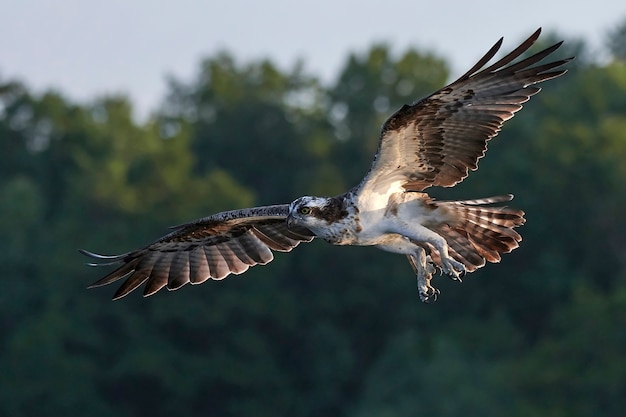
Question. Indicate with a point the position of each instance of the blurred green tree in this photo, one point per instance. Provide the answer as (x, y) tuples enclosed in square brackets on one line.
[(578, 369), (323, 331), (251, 119), (616, 42)]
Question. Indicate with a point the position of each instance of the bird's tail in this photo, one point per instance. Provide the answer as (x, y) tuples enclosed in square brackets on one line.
[(480, 231)]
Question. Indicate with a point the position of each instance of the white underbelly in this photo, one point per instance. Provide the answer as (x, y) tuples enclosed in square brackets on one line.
[(396, 243)]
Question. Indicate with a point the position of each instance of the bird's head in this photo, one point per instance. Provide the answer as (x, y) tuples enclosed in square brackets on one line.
[(306, 212), (317, 214)]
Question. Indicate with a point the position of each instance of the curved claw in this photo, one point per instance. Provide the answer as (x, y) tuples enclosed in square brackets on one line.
[(454, 269), (430, 296), (460, 275)]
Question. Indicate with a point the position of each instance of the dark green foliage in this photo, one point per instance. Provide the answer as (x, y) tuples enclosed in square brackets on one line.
[(324, 330)]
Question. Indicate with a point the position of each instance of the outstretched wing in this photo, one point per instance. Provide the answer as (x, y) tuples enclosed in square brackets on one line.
[(436, 140), (212, 247)]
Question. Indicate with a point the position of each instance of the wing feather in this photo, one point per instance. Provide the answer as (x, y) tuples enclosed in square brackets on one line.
[(179, 270), (238, 250), (258, 251), (198, 266), (273, 235), (131, 283), (219, 267), (439, 139), (159, 275), (211, 247), (235, 265), (119, 273)]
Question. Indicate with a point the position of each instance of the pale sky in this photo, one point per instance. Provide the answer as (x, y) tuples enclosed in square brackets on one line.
[(88, 48)]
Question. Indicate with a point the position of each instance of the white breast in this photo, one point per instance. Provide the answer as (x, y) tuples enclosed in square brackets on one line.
[(400, 210)]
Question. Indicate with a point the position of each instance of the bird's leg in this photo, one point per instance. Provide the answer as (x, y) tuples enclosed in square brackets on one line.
[(424, 271), (449, 266)]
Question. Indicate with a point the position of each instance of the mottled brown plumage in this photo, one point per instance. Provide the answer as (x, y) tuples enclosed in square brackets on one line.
[(212, 247), (438, 139), (435, 141), (480, 231)]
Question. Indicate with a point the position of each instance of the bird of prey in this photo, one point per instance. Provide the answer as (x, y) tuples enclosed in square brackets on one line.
[(432, 142)]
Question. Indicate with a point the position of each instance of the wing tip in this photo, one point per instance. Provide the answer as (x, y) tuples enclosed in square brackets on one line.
[(112, 259), (117, 296)]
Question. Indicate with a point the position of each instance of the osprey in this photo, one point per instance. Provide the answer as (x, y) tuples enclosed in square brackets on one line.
[(432, 142)]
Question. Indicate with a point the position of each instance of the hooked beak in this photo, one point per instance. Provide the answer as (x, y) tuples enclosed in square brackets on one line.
[(289, 220)]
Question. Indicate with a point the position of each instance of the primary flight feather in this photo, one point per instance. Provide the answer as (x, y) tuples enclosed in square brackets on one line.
[(435, 141)]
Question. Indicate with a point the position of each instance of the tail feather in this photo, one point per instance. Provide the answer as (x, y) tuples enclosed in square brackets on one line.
[(478, 232), (458, 242), (504, 228)]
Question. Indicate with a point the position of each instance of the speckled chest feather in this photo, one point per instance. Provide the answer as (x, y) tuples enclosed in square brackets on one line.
[(341, 217)]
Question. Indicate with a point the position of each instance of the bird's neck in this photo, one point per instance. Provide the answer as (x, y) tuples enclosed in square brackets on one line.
[(340, 219)]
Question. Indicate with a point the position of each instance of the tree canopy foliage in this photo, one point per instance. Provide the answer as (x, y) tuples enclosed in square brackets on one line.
[(322, 331)]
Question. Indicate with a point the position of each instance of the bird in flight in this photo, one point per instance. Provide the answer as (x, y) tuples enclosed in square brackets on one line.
[(432, 142)]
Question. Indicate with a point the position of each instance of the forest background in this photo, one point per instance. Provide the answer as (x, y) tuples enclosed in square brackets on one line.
[(324, 330)]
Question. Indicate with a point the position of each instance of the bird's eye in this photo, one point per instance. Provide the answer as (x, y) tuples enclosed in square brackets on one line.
[(304, 210)]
